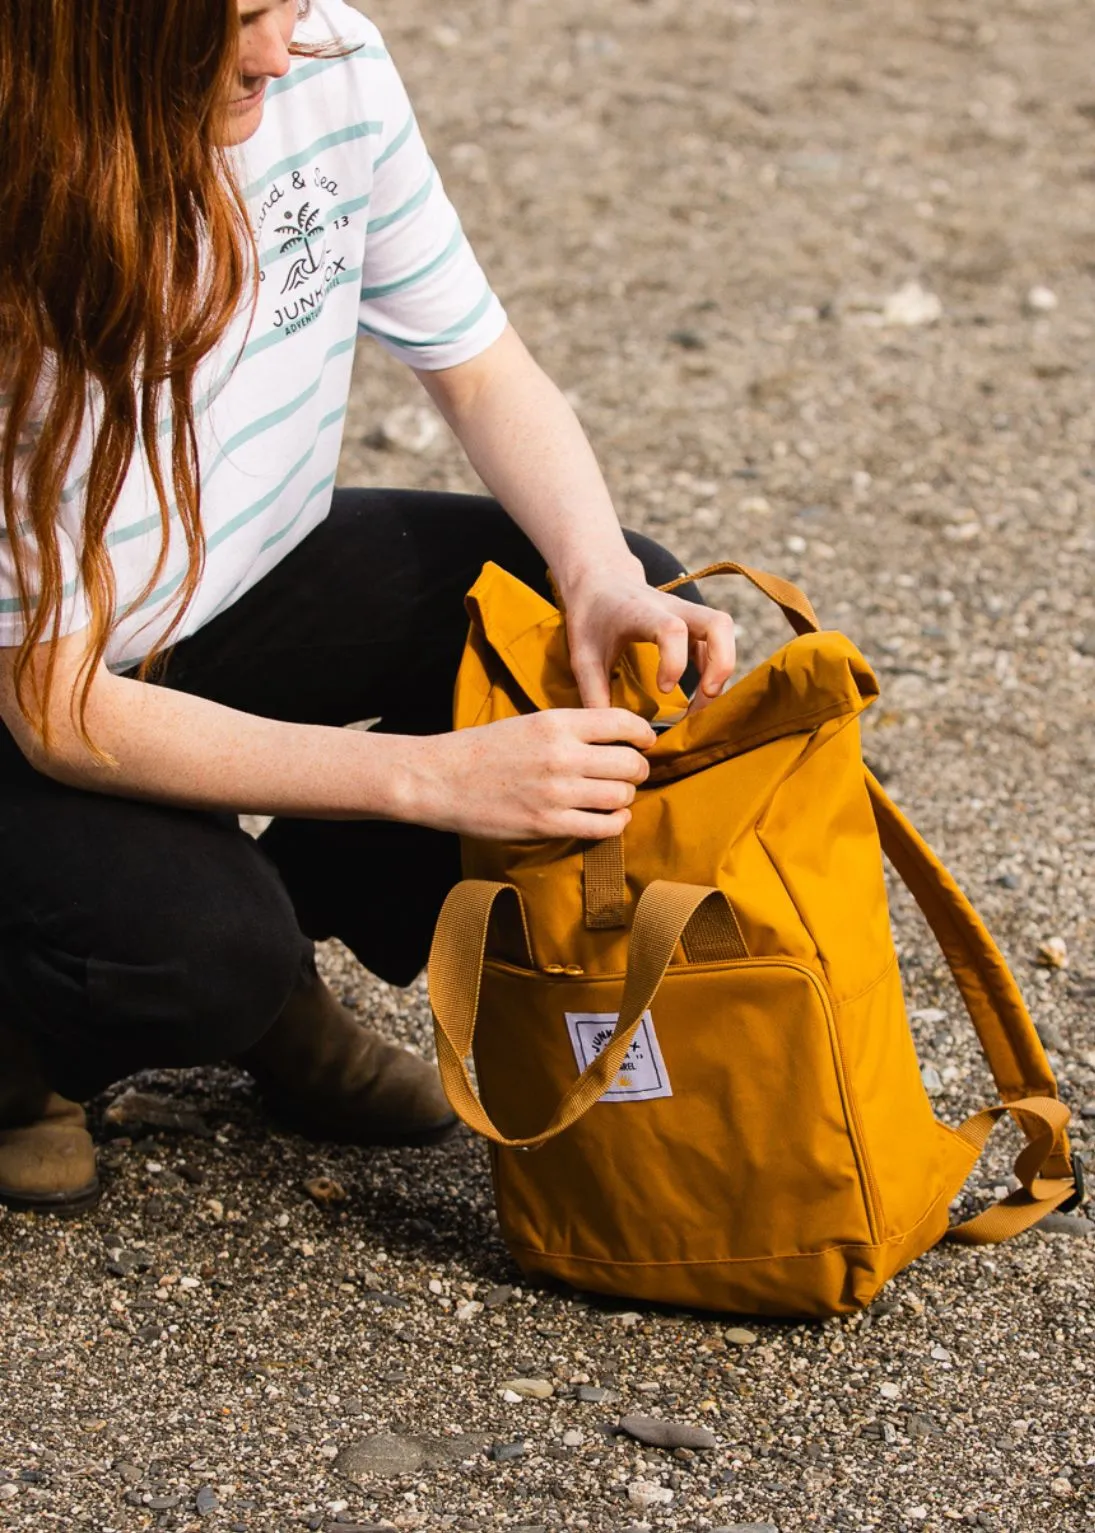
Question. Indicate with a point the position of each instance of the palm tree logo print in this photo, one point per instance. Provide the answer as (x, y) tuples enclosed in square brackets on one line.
[(303, 231)]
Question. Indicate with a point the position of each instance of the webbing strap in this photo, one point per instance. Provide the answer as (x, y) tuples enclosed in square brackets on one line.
[(1012, 1047), (795, 603), (1038, 1195), (662, 917), (713, 934), (604, 888)]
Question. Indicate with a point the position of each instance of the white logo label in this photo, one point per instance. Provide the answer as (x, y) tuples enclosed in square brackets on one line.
[(642, 1075)]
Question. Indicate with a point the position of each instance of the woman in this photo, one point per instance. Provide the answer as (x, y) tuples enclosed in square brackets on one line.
[(204, 202)]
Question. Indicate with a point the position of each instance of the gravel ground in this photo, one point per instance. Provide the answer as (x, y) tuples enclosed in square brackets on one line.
[(705, 218)]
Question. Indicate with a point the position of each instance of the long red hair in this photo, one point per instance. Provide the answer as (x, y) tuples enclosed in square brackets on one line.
[(126, 252)]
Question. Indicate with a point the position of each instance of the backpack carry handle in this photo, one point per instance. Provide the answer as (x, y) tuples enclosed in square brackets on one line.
[(796, 605), (663, 916)]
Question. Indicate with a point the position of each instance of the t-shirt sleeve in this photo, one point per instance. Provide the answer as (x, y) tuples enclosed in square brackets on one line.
[(424, 296)]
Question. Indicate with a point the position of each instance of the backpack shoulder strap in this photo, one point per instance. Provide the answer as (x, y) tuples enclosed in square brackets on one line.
[(1011, 1045)]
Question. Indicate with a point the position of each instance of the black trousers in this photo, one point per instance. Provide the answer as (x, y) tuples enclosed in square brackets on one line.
[(135, 935)]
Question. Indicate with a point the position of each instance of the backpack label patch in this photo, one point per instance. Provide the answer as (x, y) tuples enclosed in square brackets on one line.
[(642, 1075)]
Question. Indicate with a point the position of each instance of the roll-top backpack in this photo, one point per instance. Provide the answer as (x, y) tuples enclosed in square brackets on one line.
[(693, 1059)]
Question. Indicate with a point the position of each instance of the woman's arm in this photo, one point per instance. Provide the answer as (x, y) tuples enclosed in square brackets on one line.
[(559, 773), (528, 447)]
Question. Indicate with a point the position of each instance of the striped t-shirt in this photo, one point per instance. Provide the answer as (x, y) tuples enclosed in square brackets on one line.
[(355, 234)]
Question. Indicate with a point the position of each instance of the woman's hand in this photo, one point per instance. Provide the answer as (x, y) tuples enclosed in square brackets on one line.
[(564, 772), (604, 613)]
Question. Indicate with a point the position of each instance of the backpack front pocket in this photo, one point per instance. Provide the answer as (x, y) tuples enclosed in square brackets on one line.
[(728, 1134)]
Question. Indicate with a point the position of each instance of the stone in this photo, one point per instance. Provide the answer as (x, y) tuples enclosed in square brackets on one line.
[(529, 1389), (746, 1527), (573, 1439), (206, 1501), (123, 1262), (590, 1394), (646, 1493), (657, 1433), (385, 1454), (1053, 953), (325, 1191), (498, 1296), (918, 1425), (737, 1337), (503, 1453), (468, 1309), (929, 1014), (1040, 300), (8, 1491), (912, 305), (688, 340), (136, 1113), (932, 1080), (1066, 1224)]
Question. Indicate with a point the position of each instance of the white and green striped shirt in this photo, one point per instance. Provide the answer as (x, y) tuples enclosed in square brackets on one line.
[(354, 233)]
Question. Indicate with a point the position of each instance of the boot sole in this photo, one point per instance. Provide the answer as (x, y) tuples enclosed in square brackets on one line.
[(63, 1205)]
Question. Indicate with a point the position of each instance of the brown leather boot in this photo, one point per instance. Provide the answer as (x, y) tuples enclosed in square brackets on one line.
[(47, 1159), (330, 1078)]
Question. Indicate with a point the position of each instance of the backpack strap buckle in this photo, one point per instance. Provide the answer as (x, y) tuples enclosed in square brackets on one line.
[(1080, 1194)]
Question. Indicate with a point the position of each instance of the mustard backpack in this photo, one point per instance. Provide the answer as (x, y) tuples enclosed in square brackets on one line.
[(698, 1029)]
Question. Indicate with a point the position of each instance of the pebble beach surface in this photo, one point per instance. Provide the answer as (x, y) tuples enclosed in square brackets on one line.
[(820, 281)]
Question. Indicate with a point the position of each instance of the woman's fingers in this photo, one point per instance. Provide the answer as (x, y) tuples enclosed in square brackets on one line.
[(611, 726), (715, 651), (594, 827)]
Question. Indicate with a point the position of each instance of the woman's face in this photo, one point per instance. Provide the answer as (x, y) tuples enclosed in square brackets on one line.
[(266, 28)]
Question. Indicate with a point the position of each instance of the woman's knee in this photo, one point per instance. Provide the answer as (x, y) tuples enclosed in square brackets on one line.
[(188, 967)]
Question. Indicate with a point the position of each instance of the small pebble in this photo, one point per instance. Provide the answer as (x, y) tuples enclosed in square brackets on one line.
[(498, 1296), (1040, 300), (932, 1080), (740, 1338), (666, 1434), (529, 1389), (929, 1014), (206, 1501), (8, 1491), (502, 1453), (1053, 953), (645, 1494), (590, 1394), (1066, 1224), (912, 305), (325, 1191)]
